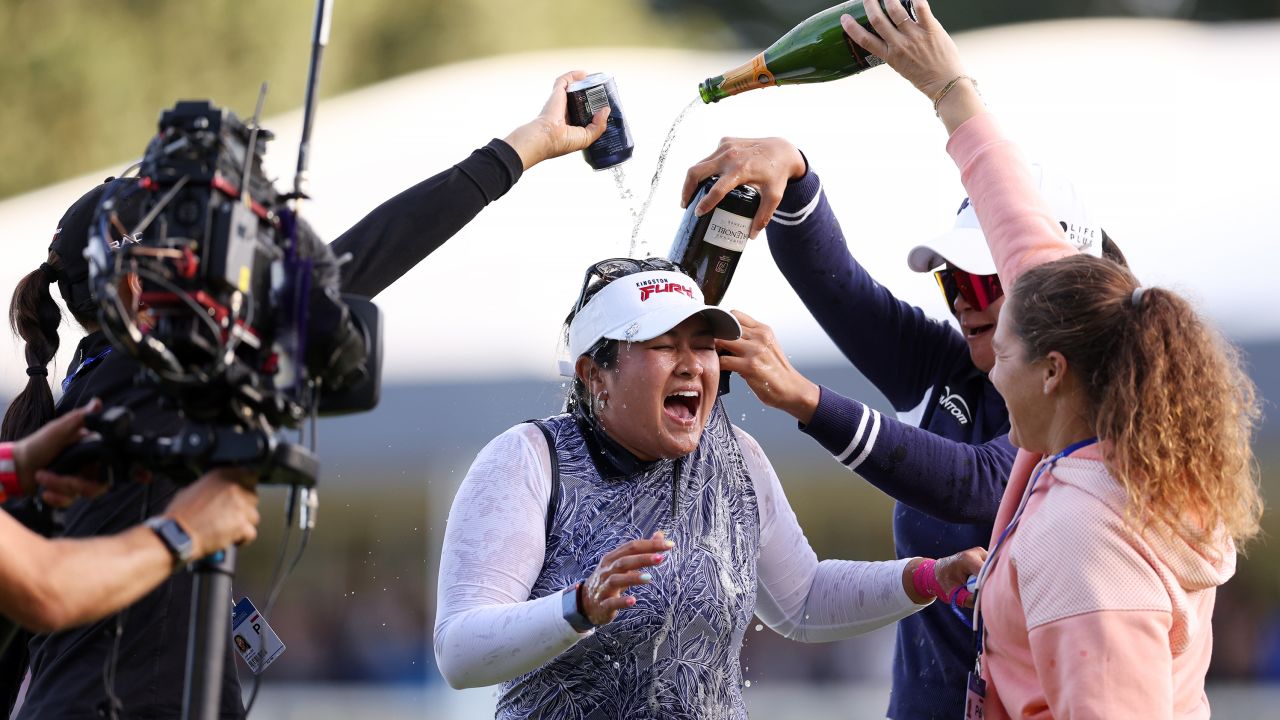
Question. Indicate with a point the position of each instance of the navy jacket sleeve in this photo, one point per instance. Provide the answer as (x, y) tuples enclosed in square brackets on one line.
[(895, 345), (400, 232), (900, 350), (953, 481)]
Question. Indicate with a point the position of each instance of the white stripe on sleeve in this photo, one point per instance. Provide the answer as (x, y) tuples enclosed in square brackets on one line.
[(857, 435), (871, 441), (795, 218)]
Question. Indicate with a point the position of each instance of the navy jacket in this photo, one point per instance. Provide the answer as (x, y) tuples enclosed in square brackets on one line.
[(947, 474)]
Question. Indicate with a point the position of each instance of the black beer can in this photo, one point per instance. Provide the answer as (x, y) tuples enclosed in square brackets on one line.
[(586, 97)]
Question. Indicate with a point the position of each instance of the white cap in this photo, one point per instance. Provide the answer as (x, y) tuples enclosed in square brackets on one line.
[(640, 307), (965, 247)]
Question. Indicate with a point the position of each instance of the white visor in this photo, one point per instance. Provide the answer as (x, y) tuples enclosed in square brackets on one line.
[(640, 307), (965, 247)]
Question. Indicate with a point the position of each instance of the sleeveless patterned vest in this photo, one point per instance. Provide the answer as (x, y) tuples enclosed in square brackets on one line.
[(674, 654)]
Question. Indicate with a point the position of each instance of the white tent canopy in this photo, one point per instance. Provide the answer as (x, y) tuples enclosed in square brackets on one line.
[(1164, 126)]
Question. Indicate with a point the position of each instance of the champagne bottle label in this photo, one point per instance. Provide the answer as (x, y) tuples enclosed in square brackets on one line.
[(748, 76), (728, 230), (863, 58)]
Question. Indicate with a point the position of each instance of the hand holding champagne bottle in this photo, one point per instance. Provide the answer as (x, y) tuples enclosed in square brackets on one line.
[(816, 50), (923, 53), (767, 164)]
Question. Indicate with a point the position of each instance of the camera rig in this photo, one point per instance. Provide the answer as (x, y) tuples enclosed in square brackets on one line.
[(239, 321), (232, 308)]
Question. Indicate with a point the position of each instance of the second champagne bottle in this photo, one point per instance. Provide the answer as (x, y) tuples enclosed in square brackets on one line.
[(708, 247), (816, 50)]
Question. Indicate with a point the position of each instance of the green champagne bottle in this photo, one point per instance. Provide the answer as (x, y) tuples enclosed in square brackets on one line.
[(816, 50)]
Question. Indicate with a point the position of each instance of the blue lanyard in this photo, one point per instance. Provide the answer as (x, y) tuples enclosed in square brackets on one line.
[(1013, 522), (84, 365)]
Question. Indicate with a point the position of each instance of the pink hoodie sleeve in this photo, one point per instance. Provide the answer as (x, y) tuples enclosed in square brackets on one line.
[(1113, 664), (1018, 224)]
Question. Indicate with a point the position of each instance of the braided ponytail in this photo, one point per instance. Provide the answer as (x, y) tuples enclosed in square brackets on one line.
[(34, 316)]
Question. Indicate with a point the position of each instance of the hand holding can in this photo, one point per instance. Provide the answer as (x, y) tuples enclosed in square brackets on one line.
[(550, 135), (587, 97)]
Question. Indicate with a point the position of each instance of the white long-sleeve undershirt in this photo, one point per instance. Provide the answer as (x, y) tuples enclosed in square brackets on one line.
[(488, 631)]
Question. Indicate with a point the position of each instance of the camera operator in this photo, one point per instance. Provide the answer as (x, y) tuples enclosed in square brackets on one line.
[(70, 671), (67, 669), (51, 585)]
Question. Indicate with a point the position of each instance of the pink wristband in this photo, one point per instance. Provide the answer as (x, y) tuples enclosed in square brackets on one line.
[(9, 485), (926, 582)]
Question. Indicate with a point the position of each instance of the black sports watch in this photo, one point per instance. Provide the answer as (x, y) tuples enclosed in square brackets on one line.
[(572, 614), (175, 538)]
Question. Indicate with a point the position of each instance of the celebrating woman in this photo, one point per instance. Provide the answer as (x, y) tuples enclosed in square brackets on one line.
[(606, 562), (1133, 417)]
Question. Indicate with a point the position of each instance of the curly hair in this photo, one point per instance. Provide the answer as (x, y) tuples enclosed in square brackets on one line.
[(1171, 403)]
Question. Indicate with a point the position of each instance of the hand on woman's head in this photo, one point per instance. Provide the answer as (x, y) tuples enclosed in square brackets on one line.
[(760, 360)]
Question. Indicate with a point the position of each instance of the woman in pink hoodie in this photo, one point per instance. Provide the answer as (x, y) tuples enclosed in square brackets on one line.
[(1134, 479)]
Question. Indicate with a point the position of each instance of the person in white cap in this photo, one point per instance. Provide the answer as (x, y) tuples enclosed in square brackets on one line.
[(946, 458), (605, 562)]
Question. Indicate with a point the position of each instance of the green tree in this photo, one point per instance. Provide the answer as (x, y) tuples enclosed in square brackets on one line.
[(83, 82)]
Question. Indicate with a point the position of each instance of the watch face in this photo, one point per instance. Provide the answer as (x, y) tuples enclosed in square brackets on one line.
[(175, 537)]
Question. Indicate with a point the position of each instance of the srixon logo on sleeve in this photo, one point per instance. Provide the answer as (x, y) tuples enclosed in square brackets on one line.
[(649, 288), (954, 404)]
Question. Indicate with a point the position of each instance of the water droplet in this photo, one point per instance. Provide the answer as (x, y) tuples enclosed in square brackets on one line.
[(747, 683), (616, 665), (760, 627), (657, 174)]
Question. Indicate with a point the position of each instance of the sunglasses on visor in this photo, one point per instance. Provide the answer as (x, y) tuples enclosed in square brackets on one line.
[(977, 290), (617, 267)]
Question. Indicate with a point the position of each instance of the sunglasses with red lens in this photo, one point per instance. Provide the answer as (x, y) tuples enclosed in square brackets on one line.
[(977, 290)]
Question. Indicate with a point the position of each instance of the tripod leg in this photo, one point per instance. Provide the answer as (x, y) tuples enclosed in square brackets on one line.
[(207, 639)]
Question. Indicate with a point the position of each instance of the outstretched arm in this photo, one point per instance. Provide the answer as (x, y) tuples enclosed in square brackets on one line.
[(807, 600), (1018, 224), (810, 601), (404, 230), (953, 481), (50, 585), (895, 345)]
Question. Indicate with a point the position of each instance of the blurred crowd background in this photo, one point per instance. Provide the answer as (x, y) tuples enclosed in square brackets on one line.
[(83, 83)]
